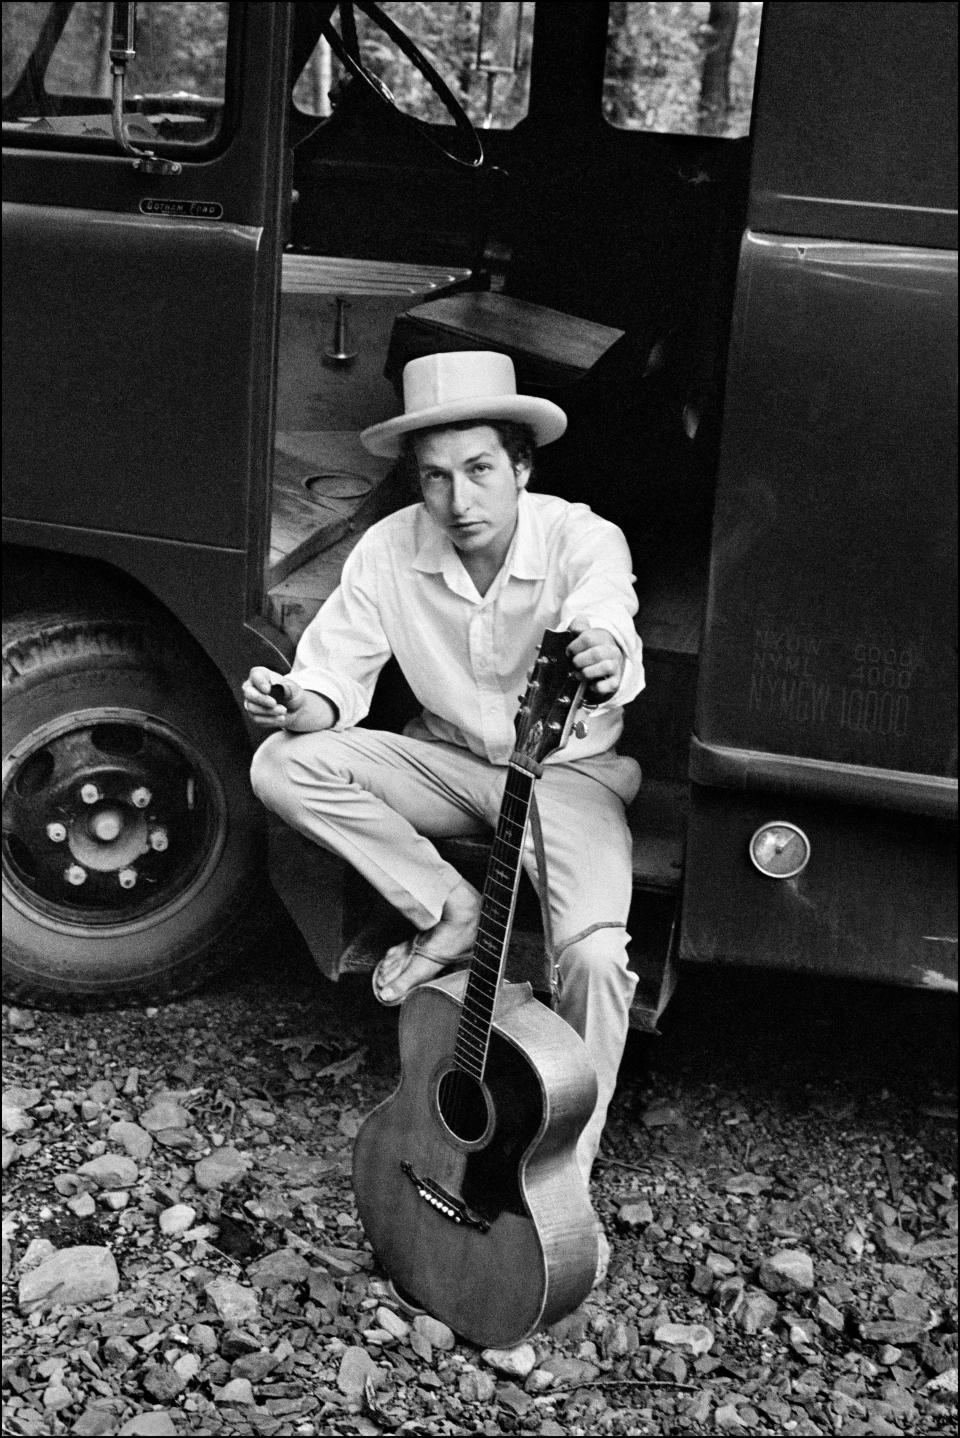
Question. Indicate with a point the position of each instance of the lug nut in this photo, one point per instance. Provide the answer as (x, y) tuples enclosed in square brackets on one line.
[(140, 798), (159, 840), (56, 833), (127, 878), (76, 875), (89, 793)]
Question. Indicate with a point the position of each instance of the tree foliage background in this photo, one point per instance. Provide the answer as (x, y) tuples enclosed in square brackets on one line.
[(671, 66)]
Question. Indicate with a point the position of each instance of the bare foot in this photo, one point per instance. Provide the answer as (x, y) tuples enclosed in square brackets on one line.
[(401, 970)]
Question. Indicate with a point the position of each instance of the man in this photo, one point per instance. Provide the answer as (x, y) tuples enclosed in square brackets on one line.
[(459, 588)]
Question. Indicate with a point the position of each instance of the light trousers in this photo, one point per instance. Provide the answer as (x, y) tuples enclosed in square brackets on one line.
[(378, 800)]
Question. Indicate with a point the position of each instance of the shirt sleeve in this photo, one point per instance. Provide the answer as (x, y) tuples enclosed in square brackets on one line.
[(600, 581), (344, 647)]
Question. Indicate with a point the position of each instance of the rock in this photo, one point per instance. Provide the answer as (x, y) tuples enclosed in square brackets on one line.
[(82, 1205), (233, 1302), (118, 1352), (73, 1275), (396, 1326), (727, 1419), (789, 1270), (253, 1366), (17, 1097), (238, 1390), (933, 1248), (945, 1382), (674, 1367), (177, 1219), (477, 1387), (514, 1399), (133, 1139), (660, 1113), (570, 1370), (899, 1275), (750, 1184), (99, 1419), (187, 1367), (56, 1397), (896, 1242), (908, 1306), (35, 1252), (696, 1338), (356, 1367), (285, 1265), (162, 1382), (697, 1409), (754, 1311), (10, 1153), (516, 1362), (703, 1279), (828, 1315), (202, 1336), (635, 1215), (111, 1171), (720, 1264), (155, 1424), (220, 1169), (165, 1113), (115, 1198), (15, 1120), (891, 1330), (437, 1334), (539, 1381)]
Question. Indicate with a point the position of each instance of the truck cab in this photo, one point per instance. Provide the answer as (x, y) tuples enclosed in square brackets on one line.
[(722, 237)]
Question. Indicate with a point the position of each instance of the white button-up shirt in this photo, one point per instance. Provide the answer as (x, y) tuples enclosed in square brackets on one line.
[(405, 592)]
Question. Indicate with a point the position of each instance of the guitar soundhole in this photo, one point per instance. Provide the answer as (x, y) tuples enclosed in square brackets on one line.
[(463, 1106)]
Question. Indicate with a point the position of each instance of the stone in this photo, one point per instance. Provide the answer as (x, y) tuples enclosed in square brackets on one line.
[(177, 1219), (99, 1419), (437, 1334), (900, 1275), (396, 1326), (727, 1420), (517, 1362), (703, 1279), (635, 1215), (695, 1338), (828, 1315), (165, 1113), (284, 1265), (933, 1248), (748, 1184), (202, 1336), (539, 1381), (720, 1264), (118, 1352), (11, 1153), (155, 1424), (232, 1301), (570, 1370), (754, 1311), (891, 1330), (238, 1390), (894, 1241), (162, 1382), (82, 1205), (253, 1366), (356, 1368), (17, 1097), (514, 1399), (789, 1270), (945, 1382), (111, 1171), (220, 1169), (477, 1387), (133, 1139), (35, 1252), (660, 1113), (909, 1306), (70, 1276), (15, 1120)]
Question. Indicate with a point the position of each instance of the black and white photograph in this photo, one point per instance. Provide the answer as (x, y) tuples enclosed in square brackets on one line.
[(479, 718)]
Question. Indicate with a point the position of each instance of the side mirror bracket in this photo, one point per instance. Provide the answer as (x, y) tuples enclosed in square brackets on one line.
[(123, 48)]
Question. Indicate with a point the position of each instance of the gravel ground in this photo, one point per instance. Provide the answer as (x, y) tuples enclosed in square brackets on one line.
[(182, 1253)]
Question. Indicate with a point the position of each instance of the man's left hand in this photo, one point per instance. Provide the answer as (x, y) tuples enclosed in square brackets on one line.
[(597, 657)]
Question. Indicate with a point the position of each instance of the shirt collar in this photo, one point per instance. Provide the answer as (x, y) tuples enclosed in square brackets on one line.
[(526, 558)]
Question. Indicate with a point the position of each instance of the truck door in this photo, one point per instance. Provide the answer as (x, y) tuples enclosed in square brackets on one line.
[(140, 295), (824, 793)]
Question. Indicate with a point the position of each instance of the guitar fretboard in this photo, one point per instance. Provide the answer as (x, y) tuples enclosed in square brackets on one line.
[(496, 921)]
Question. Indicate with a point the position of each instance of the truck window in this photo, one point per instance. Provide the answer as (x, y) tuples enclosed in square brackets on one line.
[(681, 69), (482, 50), (57, 81)]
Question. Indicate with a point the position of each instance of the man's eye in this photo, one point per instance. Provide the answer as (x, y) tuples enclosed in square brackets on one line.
[(481, 469)]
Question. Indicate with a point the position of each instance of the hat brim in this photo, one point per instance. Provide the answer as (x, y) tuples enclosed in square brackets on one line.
[(546, 419)]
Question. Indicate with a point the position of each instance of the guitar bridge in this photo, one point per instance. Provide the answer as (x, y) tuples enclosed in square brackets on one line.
[(444, 1202)]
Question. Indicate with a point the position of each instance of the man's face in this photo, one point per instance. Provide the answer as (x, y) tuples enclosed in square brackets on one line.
[(470, 488)]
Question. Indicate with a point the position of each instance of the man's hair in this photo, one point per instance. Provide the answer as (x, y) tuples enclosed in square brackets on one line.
[(517, 439)]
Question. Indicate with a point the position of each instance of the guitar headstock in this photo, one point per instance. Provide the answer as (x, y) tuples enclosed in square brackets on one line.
[(548, 708)]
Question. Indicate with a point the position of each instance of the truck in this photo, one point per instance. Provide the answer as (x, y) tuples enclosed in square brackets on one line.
[(722, 236)]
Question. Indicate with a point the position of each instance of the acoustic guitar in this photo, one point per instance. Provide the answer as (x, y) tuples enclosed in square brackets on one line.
[(465, 1178)]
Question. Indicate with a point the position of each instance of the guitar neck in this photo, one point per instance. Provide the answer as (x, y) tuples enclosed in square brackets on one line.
[(496, 923)]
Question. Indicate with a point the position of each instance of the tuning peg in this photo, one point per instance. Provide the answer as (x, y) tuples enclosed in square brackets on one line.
[(581, 729)]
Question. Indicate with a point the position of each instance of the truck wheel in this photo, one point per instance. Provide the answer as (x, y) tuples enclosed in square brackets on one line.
[(131, 841)]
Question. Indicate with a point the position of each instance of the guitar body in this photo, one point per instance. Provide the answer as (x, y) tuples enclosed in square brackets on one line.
[(470, 1193)]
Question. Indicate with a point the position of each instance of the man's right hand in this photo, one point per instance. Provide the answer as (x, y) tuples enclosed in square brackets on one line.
[(302, 710)]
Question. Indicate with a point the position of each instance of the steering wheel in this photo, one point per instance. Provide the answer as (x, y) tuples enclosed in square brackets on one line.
[(346, 47)]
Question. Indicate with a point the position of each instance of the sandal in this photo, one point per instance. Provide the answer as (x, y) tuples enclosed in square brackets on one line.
[(416, 951)]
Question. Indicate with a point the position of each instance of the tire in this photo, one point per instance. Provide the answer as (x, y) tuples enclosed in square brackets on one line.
[(132, 845)]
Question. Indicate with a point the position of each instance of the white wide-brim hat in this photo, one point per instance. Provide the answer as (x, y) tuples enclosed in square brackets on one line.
[(463, 384)]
